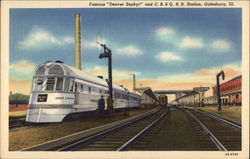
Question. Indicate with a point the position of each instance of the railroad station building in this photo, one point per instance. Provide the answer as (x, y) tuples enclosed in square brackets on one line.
[(17, 105), (230, 91), (193, 98), (148, 97)]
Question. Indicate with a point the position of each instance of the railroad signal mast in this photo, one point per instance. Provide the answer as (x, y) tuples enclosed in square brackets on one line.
[(218, 88), (107, 54)]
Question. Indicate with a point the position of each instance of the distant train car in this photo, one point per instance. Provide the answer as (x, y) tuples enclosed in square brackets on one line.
[(60, 91), (163, 100)]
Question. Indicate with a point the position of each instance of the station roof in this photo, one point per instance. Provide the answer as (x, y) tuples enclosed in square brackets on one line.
[(188, 94), (172, 91), (194, 91), (148, 91), (234, 78)]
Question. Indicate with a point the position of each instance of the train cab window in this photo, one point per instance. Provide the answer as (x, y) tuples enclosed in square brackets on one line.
[(76, 89), (38, 85), (59, 84), (82, 88), (66, 84), (71, 85), (89, 89), (50, 84)]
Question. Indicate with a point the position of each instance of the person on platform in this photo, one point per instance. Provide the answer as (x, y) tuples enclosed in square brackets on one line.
[(101, 106)]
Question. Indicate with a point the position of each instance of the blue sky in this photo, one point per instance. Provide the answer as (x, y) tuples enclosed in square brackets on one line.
[(153, 43)]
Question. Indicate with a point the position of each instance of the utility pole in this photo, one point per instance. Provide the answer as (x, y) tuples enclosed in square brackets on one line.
[(107, 54), (218, 88)]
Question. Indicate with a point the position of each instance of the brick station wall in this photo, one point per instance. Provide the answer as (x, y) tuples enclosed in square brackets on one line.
[(230, 87)]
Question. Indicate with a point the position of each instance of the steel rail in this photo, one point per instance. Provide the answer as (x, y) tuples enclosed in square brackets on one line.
[(220, 119), (18, 125), (100, 135), (218, 144), (14, 118), (138, 136), (230, 123)]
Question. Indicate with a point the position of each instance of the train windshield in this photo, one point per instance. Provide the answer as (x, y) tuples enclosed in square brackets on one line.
[(54, 84), (50, 84)]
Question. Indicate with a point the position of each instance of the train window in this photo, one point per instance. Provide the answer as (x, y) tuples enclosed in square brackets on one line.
[(38, 85), (71, 85), (117, 95), (59, 84), (89, 89), (81, 88), (50, 84), (66, 85), (124, 96), (76, 87)]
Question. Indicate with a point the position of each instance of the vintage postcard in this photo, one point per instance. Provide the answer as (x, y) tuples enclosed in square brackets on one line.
[(125, 79)]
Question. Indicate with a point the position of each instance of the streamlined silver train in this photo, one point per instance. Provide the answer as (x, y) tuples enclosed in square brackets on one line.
[(59, 91)]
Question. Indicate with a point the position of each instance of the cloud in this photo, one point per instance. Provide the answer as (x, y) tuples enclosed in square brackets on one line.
[(23, 64), (165, 57), (191, 43), (117, 74), (230, 71), (20, 86), (40, 38), (165, 33), (221, 46), (202, 77), (69, 40), (22, 70), (130, 51)]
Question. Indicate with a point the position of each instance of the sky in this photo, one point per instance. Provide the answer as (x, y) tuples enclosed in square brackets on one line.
[(167, 48)]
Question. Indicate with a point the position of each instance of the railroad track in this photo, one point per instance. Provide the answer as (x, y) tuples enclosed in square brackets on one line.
[(214, 133), (120, 138), (19, 123), (15, 122)]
